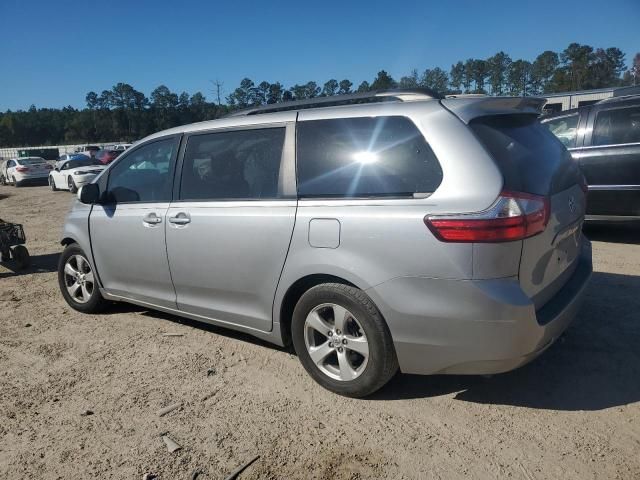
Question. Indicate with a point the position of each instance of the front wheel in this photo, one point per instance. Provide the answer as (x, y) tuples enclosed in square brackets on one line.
[(342, 340), (52, 184), (16, 184), (77, 281)]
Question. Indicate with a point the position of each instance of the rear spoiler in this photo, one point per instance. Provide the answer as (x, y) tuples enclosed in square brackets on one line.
[(468, 108)]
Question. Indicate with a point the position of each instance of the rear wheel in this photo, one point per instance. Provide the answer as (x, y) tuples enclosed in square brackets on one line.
[(16, 184), (77, 281), (342, 340), (72, 185), (3, 181), (52, 184)]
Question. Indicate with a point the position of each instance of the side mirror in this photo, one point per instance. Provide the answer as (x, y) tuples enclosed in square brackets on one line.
[(89, 193)]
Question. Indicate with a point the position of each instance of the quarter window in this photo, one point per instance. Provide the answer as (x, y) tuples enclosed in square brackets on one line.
[(144, 175), (365, 157), (565, 128), (239, 164), (616, 126)]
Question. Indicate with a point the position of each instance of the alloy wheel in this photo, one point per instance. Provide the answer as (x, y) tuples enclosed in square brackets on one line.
[(336, 342), (78, 278)]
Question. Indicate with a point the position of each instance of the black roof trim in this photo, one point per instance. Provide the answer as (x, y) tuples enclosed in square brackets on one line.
[(337, 100)]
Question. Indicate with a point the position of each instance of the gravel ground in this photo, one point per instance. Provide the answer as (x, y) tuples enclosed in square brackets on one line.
[(80, 394)]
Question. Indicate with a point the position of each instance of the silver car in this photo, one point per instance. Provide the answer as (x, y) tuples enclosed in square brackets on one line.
[(375, 232)]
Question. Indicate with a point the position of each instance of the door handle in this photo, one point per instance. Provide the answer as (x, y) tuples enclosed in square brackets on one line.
[(180, 219), (152, 219)]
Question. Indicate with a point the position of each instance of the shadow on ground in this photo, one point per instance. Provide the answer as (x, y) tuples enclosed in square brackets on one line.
[(122, 307), (594, 365), (39, 264)]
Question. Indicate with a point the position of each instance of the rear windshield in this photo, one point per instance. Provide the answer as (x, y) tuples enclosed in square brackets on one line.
[(364, 157), (529, 156), (31, 161)]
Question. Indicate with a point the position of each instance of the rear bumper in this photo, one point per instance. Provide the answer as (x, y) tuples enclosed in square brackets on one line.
[(474, 326), (31, 177)]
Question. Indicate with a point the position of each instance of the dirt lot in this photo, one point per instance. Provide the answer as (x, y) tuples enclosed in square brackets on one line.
[(572, 414)]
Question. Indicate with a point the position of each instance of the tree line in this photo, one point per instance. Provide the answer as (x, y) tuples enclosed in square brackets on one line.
[(124, 113)]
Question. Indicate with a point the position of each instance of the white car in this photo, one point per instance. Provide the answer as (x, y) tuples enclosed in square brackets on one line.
[(71, 174), (19, 171)]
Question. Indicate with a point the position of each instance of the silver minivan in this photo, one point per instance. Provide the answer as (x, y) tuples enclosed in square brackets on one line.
[(376, 232)]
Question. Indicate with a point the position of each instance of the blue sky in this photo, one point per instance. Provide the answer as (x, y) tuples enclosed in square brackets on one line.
[(53, 52)]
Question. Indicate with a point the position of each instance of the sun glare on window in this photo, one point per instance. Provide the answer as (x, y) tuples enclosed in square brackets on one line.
[(365, 157)]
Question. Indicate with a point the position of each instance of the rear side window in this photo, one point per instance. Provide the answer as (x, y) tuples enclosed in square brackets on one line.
[(242, 164), (621, 125), (530, 157), (364, 157), (565, 129)]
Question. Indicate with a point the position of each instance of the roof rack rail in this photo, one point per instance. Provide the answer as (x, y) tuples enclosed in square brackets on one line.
[(405, 94)]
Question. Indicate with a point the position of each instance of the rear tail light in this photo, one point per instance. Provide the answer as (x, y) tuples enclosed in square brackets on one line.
[(22, 169), (513, 216)]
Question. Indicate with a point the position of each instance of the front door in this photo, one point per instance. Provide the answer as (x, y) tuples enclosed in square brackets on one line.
[(128, 228), (228, 231)]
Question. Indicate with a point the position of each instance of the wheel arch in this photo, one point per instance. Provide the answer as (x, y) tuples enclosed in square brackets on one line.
[(293, 294), (66, 241)]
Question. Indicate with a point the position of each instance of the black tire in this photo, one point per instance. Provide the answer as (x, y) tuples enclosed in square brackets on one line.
[(16, 184), (382, 363), (5, 255), (72, 185), (95, 303), (21, 256), (52, 184), (3, 181)]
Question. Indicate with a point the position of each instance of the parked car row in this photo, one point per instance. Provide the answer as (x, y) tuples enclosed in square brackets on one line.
[(70, 172)]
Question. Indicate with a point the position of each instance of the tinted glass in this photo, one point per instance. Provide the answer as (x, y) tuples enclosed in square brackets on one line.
[(144, 175), (31, 161), (80, 163), (364, 157), (530, 157), (243, 164), (621, 125), (565, 129)]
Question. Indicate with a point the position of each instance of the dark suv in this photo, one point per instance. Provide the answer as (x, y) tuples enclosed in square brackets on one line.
[(604, 139)]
